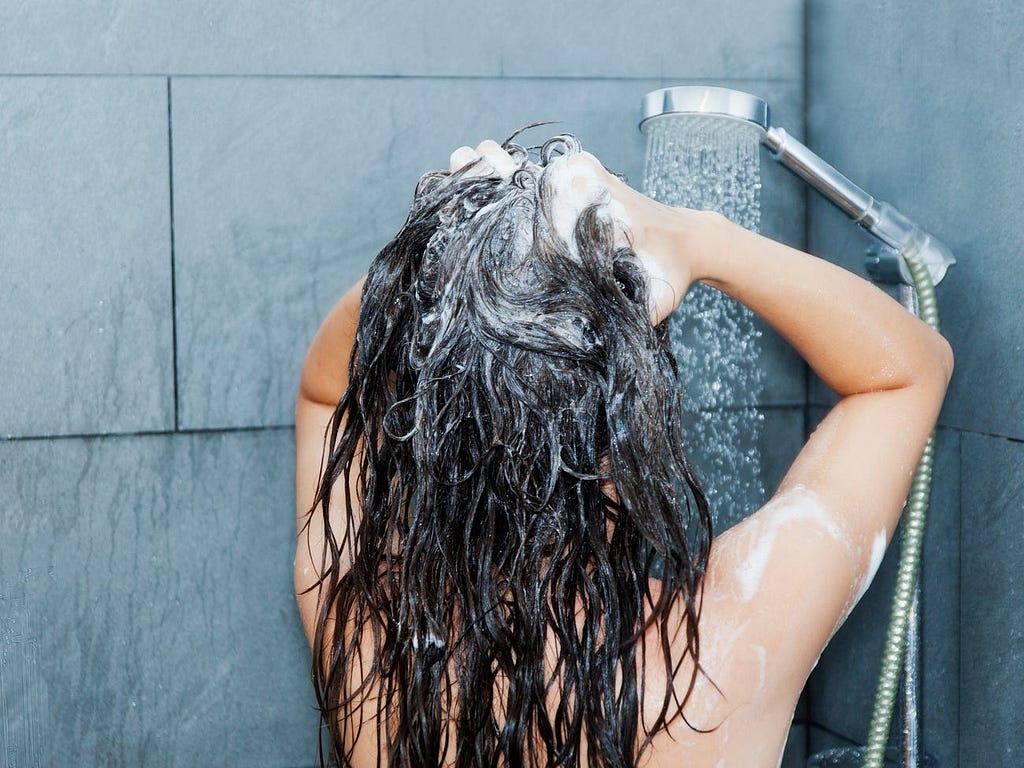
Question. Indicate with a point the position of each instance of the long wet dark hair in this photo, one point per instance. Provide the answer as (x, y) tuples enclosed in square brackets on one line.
[(512, 428)]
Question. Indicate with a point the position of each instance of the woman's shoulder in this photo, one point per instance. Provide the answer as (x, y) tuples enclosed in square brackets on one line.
[(781, 582), (735, 712), (776, 586)]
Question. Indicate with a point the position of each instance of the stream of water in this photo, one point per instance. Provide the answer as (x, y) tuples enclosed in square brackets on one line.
[(713, 163)]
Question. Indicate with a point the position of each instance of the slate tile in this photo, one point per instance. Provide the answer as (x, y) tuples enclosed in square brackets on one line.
[(147, 603), (936, 142), (85, 298), (991, 591), (285, 189), (646, 39)]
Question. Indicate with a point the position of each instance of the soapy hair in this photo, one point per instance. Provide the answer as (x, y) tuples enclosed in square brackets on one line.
[(513, 477)]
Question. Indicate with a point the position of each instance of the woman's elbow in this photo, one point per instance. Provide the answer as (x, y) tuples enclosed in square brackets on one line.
[(946, 357)]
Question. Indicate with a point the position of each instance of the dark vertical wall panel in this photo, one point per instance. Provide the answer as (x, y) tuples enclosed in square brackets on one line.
[(992, 591), (919, 103)]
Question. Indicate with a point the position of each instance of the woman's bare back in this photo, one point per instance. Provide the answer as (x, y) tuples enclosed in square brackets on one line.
[(746, 726), (761, 631)]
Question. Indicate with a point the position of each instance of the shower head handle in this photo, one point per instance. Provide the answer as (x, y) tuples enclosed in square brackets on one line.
[(798, 158), (882, 220)]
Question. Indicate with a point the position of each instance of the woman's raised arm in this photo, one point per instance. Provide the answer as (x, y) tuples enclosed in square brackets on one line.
[(798, 565)]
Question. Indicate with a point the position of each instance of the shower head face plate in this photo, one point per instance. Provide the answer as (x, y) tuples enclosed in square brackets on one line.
[(705, 100)]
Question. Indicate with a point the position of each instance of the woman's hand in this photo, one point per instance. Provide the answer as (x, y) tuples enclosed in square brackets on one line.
[(664, 238), (495, 160)]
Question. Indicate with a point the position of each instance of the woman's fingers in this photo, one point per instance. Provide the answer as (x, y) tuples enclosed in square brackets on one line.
[(460, 157), (501, 161), (493, 160)]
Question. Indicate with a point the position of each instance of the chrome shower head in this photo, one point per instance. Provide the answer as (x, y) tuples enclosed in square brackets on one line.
[(901, 237), (705, 100)]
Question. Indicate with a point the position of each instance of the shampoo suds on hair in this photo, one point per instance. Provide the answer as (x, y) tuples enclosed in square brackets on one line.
[(577, 187)]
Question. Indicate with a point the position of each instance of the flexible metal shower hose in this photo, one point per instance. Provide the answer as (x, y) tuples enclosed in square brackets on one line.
[(910, 553)]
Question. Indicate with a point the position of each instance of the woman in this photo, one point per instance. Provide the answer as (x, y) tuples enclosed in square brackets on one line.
[(507, 559)]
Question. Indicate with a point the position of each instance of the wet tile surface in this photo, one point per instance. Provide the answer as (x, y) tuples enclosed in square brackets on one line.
[(644, 39), (919, 144), (992, 591), (147, 606), (85, 297)]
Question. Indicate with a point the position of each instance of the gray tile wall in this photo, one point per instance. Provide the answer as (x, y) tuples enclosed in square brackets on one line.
[(531, 38), (920, 103), (269, 232), (85, 297), (991, 593), (145, 592), (185, 189)]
